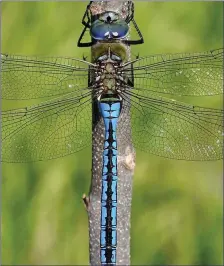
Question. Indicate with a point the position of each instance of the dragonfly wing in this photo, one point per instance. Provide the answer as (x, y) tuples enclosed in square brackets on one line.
[(24, 77), (46, 131), (176, 130), (192, 74)]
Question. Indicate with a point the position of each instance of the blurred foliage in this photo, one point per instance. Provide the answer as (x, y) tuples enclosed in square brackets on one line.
[(177, 206)]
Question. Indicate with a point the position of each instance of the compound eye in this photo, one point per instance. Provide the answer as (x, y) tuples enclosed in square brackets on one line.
[(115, 34), (107, 34)]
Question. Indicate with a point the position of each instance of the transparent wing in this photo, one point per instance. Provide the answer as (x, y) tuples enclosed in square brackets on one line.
[(49, 130), (179, 74), (24, 77), (175, 130)]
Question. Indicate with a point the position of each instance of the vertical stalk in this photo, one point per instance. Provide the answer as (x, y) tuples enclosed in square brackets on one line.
[(126, 164)]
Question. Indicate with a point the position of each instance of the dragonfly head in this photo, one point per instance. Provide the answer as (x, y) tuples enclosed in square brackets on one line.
[(108, 26), (108, 17)]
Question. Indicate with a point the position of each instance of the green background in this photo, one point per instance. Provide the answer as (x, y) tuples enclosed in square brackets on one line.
[(177, 206)]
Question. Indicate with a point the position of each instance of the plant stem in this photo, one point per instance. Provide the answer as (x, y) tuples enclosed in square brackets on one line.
[(126, 164)]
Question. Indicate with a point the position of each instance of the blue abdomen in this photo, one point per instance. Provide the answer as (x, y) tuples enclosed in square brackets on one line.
[(110, 112)]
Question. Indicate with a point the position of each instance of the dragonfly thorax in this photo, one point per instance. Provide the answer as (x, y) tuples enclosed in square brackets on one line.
[(108, 75)]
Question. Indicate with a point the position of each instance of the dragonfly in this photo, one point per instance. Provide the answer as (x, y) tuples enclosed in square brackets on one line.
[(61, 124)]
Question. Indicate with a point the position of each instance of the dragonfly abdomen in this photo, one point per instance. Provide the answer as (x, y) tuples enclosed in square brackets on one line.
[(110, 112)]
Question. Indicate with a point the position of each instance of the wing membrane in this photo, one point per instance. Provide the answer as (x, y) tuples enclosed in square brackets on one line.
[(24, 77), (196, 74), (176, 130), (46, 131), (160, 126)]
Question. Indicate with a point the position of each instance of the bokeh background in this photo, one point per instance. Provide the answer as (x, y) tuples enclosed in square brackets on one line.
[(177, 211)]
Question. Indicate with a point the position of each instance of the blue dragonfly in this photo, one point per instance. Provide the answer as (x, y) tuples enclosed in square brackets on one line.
[(160, 125)]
